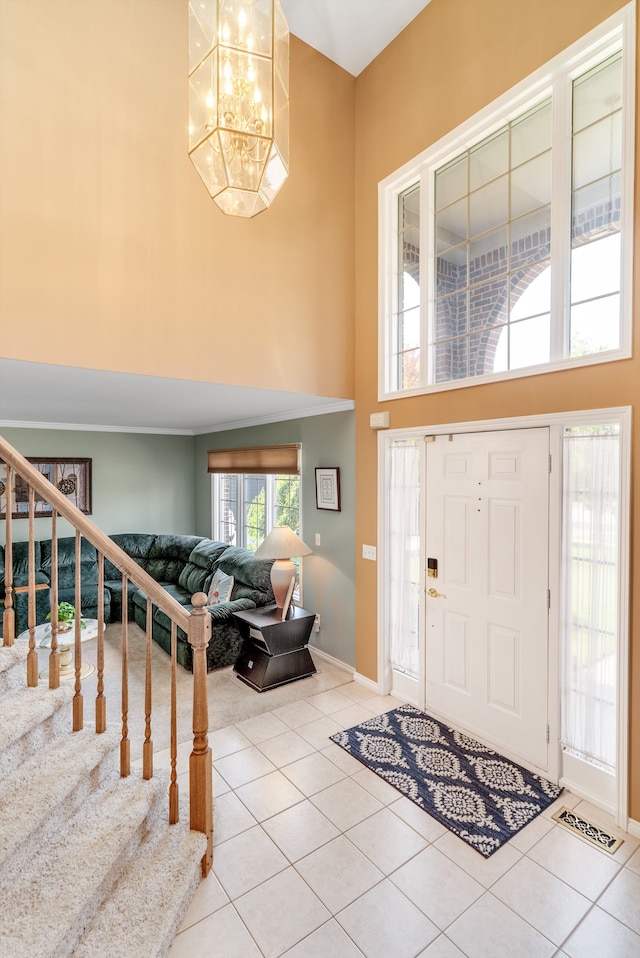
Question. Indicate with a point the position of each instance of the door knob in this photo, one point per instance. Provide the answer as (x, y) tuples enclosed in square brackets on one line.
[(436, 595)]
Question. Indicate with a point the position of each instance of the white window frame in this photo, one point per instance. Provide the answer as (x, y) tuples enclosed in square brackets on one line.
[(553, 79), (270, 511)]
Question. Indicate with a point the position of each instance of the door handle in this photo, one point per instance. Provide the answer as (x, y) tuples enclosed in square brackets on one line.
[(436, 595)]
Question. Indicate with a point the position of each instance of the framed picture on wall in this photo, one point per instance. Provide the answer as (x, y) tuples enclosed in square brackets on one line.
[(71, 477), (328, 488)]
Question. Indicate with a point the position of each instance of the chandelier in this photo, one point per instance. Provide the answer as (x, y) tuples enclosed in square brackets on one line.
[(239, 101)]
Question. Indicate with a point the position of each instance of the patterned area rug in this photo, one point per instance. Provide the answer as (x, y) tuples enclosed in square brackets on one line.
[(472, 790)]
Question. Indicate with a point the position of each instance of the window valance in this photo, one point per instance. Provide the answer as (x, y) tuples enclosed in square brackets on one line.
[(259, 460)]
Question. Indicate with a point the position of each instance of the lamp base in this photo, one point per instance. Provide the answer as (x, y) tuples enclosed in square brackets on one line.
[(282, 572)]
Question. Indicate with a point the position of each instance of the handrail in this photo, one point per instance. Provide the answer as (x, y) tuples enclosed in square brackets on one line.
[(96, 536)]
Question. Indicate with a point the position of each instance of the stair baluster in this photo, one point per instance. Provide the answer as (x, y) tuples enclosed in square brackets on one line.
[(54, 655), (78, 711), (174, 814), (101, 702), (32, 657), (147, 748), (8, 617), (125, 744)]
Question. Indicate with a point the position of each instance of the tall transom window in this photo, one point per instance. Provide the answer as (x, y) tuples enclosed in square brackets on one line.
[(507, 245)]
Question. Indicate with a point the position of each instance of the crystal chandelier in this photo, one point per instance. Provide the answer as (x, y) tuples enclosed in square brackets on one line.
[(239, 101)]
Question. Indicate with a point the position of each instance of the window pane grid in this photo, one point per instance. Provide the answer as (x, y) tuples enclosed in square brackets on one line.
[(247, 507), (406, 351), (493, 273), (489, 235), (596, 201)]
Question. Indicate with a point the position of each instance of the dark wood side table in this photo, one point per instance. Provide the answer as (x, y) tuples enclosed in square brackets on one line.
[(273, 651)]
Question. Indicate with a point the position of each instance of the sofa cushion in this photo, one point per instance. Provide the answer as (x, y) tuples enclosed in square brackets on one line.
[(252, 576), (197, 574), (176, 591), (137, 545), (115, 589), (168, 556), (67, 561), (20, 561), (88, 600)]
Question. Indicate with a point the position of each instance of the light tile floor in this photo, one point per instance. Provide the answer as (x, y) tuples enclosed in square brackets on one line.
[(316, 857)]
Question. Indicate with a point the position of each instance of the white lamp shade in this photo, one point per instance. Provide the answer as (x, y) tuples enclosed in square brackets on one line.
[(281, 544)]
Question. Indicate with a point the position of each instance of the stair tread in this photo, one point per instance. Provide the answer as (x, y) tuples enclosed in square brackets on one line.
[(161, 881), (55, 772), (12, 657), (23, 709), (76, 872)]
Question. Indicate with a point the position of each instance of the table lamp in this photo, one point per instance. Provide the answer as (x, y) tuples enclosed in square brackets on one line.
[(281, 544)]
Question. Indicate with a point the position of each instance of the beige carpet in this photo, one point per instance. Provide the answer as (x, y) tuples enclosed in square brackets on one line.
[(230, 700)]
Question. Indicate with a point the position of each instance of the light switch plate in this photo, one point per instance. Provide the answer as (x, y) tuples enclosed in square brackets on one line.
[(369, 552)]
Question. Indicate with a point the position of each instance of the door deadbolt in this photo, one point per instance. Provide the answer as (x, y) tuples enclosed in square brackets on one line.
[(436, 595)]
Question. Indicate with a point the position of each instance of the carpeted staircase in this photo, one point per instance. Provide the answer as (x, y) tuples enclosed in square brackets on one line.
[(88, 863)]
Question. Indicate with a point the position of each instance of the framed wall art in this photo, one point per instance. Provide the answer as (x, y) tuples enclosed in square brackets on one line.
[(328, 488), (71, 477)]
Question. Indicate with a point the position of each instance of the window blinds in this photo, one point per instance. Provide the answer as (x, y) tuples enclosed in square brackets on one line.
[(257, 460)]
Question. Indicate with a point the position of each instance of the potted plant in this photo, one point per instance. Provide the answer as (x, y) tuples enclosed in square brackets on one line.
[(66, 615)]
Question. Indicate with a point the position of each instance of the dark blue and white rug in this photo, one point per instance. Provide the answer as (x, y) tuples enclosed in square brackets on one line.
[(472, 790)]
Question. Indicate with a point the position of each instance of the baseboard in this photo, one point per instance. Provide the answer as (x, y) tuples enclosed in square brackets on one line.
[(633, 828), (586, 796), (330, 658), (368, 684), (360, 679)]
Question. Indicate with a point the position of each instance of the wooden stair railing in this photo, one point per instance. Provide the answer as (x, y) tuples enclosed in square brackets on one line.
[(196, 625)]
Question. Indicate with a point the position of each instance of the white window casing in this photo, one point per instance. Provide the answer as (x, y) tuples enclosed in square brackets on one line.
[(554, 80)]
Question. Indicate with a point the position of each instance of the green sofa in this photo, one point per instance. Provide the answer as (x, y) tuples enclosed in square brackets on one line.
[(183, 565)]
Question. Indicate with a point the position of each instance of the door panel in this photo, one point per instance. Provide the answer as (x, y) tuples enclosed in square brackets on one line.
[(487, 499)]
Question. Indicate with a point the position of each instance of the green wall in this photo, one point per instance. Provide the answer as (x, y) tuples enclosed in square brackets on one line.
[(141, 482), (328, 574)]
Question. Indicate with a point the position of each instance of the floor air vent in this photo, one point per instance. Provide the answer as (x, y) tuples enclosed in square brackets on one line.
[(586, 829)]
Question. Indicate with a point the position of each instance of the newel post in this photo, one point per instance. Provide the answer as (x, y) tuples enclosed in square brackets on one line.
[(200, 769)]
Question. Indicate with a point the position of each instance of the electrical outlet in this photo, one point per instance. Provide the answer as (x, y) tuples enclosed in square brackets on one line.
[(318, 539), (369, 552), (316, 624)]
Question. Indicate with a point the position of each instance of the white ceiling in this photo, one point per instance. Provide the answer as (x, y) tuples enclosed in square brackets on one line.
[(64, 397), (349, 32)]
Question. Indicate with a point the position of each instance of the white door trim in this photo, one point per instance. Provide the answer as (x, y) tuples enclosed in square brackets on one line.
[(620, 414)]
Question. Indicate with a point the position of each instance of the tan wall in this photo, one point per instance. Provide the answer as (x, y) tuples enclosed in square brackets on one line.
[(112, 254), (457, 56)]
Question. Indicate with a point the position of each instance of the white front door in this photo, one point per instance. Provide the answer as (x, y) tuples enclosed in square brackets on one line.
[(487, 508)]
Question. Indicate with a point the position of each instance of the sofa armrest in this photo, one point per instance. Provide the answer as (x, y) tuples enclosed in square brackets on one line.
[(224, 610)]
